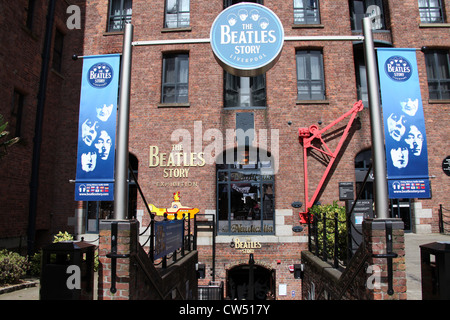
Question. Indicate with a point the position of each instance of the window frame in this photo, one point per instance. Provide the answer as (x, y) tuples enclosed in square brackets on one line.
[(232, 88), (356, 17), (308, 81), (121, 19), (224, 179), (434, 75), (227, 3), (179, 58), (179, 13), (425, 12), (307, 12), (58, 47), (30, 14)]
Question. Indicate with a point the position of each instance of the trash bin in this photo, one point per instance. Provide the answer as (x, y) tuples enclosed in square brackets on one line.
[(67, 271), (435, 264)]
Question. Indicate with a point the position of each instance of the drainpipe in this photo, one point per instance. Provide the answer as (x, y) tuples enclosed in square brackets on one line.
[(34, 183)]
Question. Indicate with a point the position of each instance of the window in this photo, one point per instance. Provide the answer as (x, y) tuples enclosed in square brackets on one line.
[(370, 8), (177, 14), (17, 113), (245, 194), (30, 14), (244, 92), (119, 14), (175, 78), (360, 71), (227, 3), (306, 12), (58, 51), (438, 72), (363, 163), (310, 76), (431, 11), (361, 76)]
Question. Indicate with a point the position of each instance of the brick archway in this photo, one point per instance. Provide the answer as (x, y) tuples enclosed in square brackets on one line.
[(237, 282)]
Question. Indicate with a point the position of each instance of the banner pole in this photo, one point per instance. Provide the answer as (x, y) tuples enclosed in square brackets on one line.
[(378, 151), (121, 171)]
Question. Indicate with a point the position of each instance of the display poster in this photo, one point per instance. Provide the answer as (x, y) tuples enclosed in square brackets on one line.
[(97, 128), (404, 124), (168, 237)]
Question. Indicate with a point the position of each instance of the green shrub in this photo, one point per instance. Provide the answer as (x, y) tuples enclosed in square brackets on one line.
[(328, 212), (62, 237), (12, 267)]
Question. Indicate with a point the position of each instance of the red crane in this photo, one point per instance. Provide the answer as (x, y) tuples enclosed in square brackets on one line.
[(307, 136)]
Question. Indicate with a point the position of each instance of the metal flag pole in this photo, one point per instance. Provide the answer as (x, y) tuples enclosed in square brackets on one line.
[(378, 152), (121, 169)]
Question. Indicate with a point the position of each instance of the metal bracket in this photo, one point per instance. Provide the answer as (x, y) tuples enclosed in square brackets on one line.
[(389, 255), (113, 255)]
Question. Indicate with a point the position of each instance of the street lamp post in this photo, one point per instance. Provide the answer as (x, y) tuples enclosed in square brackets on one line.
[(121, 170)]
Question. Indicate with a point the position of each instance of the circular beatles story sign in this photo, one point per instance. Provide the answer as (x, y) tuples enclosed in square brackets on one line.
[(446, 165), (247, 39)]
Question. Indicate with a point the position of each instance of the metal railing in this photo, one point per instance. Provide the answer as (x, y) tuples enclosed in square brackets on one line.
[(186, 245), (326, 241), (444, 219), (318, 235), (213, 291)]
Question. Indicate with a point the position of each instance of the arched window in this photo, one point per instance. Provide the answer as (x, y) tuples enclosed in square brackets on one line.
[(245, 193)]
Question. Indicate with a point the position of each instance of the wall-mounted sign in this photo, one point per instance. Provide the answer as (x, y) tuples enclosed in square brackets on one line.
[(346, 191), (176, 164), (446, 166), (246, 246), (247, 39)]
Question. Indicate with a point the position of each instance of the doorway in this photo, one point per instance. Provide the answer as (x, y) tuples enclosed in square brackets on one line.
[(401, 208), (238, 285)]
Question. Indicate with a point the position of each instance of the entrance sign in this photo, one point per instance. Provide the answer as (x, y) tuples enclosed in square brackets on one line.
[(404, 124), (247, 39), (97, 128)]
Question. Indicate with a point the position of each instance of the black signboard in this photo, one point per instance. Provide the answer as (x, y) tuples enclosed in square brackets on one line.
[(346, 191), (446, 165)]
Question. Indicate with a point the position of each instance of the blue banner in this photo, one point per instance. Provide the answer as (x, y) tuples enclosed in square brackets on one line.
[(97, 128), (404, 124)]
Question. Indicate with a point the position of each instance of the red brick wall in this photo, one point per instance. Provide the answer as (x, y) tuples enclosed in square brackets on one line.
[(206, 102), (365, 276), (21, 60)]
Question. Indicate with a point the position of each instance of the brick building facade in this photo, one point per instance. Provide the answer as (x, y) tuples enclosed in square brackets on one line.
[(181, 98), (39, 86)]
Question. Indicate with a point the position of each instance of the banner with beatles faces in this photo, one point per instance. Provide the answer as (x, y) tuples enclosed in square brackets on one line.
[(404, 124), (97, 128)]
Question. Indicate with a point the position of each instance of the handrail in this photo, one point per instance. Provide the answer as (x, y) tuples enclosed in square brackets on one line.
[(151, 225), (441, 218)]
